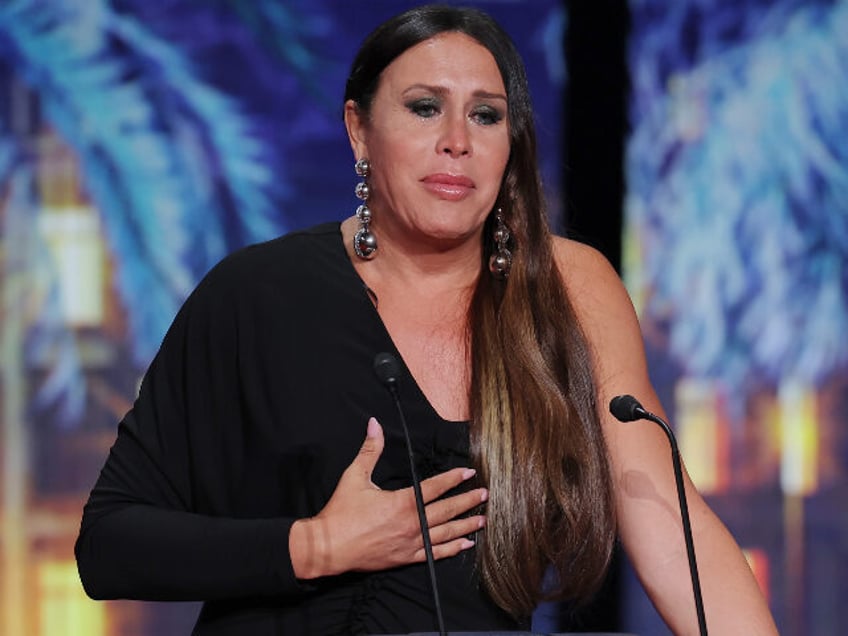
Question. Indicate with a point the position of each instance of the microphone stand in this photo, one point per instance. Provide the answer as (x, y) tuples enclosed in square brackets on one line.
[(626, 408), (386, 367)]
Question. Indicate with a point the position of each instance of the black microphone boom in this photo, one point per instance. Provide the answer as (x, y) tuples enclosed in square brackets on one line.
[(387, 368), (627, 408)]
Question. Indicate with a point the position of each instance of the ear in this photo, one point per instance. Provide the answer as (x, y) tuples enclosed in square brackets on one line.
[(357, 128)]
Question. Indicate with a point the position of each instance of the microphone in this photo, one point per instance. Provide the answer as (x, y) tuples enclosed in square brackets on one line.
[(387, 368), (627, 408)]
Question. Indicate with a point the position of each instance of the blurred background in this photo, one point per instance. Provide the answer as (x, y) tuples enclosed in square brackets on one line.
[(702, 145)]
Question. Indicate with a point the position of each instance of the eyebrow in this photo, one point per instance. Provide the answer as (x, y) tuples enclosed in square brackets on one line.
[(441, 90)]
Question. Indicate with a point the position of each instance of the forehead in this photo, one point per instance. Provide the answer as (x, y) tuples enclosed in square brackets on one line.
[(445, 58)]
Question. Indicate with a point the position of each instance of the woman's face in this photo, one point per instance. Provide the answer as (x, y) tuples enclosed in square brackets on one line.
[(437, 138)]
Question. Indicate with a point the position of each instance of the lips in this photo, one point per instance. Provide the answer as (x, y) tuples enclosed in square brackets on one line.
[(448, 186)]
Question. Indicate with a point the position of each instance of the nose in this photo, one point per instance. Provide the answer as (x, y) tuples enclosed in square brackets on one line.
[(455, 138)]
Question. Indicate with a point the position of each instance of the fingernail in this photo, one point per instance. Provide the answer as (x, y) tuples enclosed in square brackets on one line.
[(467, 543), (482, 522), (468, 473), (373, 427), (484, 494)]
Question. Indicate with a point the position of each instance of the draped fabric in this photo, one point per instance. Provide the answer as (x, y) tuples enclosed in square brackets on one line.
[(255, 404)]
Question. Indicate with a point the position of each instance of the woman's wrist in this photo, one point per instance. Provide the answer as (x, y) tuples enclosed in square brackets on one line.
[(307, 547)]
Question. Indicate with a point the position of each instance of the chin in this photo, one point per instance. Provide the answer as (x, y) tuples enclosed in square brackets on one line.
[(452, 227), (450, 237)]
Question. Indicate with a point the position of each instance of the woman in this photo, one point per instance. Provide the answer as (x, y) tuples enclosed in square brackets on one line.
[(240, 476)]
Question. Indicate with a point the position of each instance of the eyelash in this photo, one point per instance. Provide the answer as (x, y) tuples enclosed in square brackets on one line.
[(426, 108), (490, 115)]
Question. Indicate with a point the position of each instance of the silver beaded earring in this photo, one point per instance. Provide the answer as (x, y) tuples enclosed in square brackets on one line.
[(500, 261), (364, 241)]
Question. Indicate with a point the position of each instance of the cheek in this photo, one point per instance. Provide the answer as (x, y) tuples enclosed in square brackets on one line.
[(500, 158), (394, 142), (393, 166)]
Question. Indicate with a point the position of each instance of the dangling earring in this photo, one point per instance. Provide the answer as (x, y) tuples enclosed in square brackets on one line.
[(500, 261), (364, 241)]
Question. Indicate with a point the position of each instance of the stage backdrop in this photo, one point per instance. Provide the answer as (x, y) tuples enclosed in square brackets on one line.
[(737, 258), (140, 142)]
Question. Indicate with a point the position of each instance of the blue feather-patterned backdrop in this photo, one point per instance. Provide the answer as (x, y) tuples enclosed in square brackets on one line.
[(737, 257), (744, 203)]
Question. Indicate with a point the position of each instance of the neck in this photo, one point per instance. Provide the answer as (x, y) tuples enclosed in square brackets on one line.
[(420, 268)]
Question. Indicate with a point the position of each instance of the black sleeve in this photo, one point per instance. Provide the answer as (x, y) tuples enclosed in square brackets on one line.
[(157, 525)]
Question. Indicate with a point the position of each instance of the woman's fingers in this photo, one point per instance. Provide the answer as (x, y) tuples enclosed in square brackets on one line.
[(438, 512), (449, 539), (445, 550), (456, 529), (449, 532), (437, 485)]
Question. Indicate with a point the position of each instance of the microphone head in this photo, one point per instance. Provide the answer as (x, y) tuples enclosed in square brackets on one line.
[(626, 408), (387, 368)]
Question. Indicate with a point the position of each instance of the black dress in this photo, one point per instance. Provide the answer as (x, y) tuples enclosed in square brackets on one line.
[(255, 404)]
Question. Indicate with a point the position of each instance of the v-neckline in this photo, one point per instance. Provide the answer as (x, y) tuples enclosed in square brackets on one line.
[(367, 295)]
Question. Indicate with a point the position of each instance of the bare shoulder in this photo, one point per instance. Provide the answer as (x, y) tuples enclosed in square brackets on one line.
[(606, 316), (592, 283)]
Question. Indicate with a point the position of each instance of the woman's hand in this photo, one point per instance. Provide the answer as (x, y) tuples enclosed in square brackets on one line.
[(365, 528)]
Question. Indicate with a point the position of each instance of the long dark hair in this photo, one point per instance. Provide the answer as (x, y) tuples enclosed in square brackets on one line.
[(535, 432)]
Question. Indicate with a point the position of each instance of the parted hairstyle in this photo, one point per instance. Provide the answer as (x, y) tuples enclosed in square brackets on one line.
[(536, 437)]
